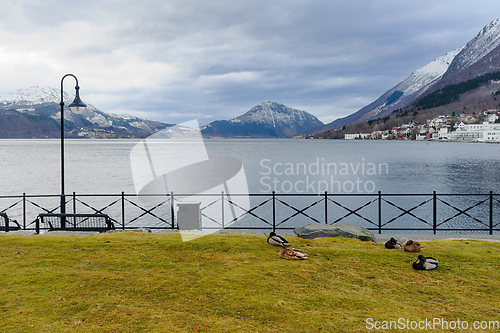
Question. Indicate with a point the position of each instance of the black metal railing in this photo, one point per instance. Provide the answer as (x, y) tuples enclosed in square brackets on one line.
[(464, 213)]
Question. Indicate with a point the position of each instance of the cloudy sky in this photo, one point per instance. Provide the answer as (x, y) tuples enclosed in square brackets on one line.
[(174, 61)]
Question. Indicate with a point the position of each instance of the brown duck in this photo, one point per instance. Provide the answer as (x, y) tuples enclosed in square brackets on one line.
[(411, 246), (292, 254)]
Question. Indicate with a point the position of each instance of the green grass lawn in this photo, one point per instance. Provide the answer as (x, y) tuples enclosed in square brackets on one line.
[(135, 282)]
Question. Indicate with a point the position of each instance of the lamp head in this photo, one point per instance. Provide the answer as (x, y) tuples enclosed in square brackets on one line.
[(77, 106)]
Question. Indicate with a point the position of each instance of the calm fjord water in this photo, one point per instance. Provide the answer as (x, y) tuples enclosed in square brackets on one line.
[(283, 165)]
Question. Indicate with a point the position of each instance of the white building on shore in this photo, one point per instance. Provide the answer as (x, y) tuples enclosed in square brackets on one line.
[(351, 136), (485, 132), (357, 136)]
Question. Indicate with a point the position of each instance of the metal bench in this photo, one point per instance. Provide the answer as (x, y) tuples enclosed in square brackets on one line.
[(74, 222), (7, 224)]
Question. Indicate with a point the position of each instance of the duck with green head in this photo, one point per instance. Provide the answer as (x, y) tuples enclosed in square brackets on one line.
[(277, 240), (425, 263)]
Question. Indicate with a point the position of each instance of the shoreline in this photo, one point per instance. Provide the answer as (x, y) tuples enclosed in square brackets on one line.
[(379, 238)]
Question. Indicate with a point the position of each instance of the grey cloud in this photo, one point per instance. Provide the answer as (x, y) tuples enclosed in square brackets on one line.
[(171, 60)]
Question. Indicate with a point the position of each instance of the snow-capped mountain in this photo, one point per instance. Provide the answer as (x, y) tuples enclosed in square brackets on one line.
[(90, 122), (486, 41), (35, 96), (268, 119), (480, 56), (409, 89)]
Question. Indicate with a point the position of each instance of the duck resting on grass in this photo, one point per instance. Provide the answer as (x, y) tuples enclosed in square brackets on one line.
[(277, 240), (392, 244), (411, 246), (292, 254), (425, 263)]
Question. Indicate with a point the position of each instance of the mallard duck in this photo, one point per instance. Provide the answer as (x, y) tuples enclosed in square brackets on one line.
[(292, 254), (274, 239), (411, 246), (425, 263), (392, 244)]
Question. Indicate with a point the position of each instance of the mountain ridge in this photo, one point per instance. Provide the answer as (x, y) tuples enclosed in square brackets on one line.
[(91, 122), (479, 56), (267, 119)]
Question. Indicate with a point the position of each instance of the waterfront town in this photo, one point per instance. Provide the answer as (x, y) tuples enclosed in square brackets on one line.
[(484, 127)]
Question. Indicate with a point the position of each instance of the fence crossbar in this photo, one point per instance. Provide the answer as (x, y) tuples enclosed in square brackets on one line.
[(250, 211), (49, 211), (299, 211), (464, 212), (146, 211), (351, 212), (11, 206), (409, 212), (100, 211), (209, 205)]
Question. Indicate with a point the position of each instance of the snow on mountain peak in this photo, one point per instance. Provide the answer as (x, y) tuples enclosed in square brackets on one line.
[(35, 95), (486, 41), (493, 26), (427, 74), (274, 113), (46, 100)]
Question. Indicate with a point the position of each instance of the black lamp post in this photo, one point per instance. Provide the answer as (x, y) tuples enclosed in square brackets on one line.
[(75, 105)]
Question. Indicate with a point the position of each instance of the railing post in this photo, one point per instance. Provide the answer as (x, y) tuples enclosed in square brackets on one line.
[(74, 208), (491, 212), (123, 210), (172, 217), (326, 207), (63, 204), (222, 201), (24, 211), (274, 211), (379, 212), (434, 211)]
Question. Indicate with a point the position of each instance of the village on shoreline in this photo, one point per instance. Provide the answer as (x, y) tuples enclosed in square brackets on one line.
[(484, 127)]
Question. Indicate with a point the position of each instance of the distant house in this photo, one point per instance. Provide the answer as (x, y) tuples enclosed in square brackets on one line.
[(443, 133), (492, 118), (351, 136), (421, 136), (386, 135), (460, 126), (357, 136), (376, 134)]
